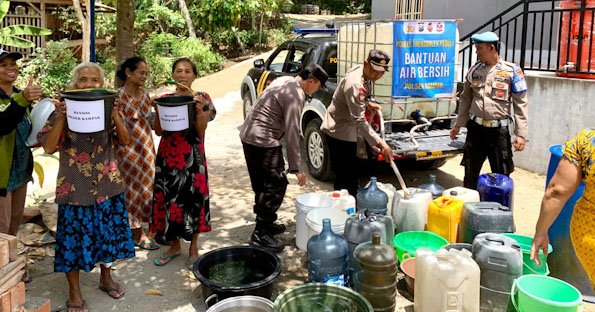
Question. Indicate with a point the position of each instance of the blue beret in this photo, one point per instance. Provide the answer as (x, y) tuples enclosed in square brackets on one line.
[(486, 37)]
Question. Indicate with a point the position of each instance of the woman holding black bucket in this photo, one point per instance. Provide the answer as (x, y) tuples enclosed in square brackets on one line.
[(137, 160), (92, 218), (181, 197)]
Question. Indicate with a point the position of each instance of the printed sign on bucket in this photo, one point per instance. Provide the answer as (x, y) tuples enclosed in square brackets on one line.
[(424, 58), (85, 116), (173, 118)]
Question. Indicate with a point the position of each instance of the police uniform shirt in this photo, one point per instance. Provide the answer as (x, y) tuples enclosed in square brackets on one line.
[(276, 113), (489, 91), (345, 117)]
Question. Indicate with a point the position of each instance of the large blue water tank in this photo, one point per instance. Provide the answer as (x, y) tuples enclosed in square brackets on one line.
[(563, 262)]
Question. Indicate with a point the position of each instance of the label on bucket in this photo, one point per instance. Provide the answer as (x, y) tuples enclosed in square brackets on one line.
[(335, 280), (173, 118), (350, 210), (85, 116)]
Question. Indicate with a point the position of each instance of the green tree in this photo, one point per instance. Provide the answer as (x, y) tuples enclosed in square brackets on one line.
[(10, 35)]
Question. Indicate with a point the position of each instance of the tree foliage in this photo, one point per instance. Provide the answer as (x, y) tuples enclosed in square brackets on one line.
[(10, 35)]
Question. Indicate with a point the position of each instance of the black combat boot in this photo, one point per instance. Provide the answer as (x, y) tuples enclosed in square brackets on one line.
[(265, 239)]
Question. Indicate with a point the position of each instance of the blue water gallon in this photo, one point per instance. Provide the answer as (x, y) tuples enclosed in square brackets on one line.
[(372, 198), (564, 263), (495, 187), (328, 257)]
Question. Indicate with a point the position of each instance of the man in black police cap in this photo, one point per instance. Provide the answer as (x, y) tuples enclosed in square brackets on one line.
[(345, 120), (275, 114)]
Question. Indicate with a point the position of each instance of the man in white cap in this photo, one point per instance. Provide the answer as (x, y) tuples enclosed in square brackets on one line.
[(494, 98), (345, 120)]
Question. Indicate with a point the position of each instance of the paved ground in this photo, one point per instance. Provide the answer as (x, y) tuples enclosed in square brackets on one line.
[(232, 219)]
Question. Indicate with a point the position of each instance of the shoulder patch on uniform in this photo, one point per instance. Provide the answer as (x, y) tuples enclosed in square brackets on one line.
[(519, 84)]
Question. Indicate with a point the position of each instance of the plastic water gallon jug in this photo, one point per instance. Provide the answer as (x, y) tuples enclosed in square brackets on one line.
[(391, 192), (377, 279), (432, 186), (501, 262), (411, 213), (446, 281), (444, 215), (303, 204), (484, 217), (360, 227), (343, 201), (372, 198), (462, 193), (327, 257), (494, 187)]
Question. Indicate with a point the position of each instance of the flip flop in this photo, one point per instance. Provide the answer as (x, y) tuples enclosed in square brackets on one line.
[(147, 245), (119, 291), (77, 307), (190, 263), (164, 259)]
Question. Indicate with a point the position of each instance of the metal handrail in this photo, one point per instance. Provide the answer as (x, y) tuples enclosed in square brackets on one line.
[(538, 32)]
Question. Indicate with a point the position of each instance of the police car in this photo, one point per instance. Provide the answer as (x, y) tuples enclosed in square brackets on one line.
[(320, 46)]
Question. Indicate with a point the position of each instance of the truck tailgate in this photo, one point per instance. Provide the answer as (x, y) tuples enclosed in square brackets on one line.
[(432, 144)]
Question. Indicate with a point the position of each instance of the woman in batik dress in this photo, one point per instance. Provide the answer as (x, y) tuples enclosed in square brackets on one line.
[(137, 160)]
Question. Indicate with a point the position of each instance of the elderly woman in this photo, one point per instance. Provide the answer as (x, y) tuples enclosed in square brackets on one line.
[(92, 218), (181, 199), (138, 158), (577, 164), (16, 163)]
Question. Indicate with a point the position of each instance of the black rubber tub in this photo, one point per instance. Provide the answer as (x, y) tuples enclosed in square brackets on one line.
[(179, 100), (254, 271), (108, 98)]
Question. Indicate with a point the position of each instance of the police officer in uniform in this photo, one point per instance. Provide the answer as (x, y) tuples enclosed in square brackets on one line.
[(345, 120), (494, 100), (276, 114)]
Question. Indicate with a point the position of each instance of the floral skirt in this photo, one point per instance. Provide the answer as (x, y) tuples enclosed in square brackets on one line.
[(87, 235)]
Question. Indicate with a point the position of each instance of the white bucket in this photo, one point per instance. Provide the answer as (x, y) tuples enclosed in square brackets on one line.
[(315, 217), (303, 204)]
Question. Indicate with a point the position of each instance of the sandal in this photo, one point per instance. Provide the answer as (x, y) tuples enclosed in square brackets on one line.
[(115, 293), (77, 307), (190, 263), (147, 245), (164, 259)]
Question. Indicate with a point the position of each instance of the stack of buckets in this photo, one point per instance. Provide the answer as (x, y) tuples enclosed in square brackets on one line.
[(312, 208)]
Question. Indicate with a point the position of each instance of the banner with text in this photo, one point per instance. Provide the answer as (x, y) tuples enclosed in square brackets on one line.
[(424, 58)]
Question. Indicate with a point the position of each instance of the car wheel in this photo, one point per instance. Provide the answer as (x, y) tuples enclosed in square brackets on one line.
[(317, 154), (247, 99), (430, 164)]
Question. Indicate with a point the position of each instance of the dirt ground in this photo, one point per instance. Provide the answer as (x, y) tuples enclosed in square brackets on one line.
[(232, 219)]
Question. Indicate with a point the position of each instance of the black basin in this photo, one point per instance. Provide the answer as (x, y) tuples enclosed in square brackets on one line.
[(260, 268), (107, 96), (179, 100)]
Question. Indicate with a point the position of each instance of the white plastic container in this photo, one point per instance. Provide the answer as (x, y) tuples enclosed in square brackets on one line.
[(411, 213), (446, 281), (304, 203), (462, 193), (343, 201), (315, 217)]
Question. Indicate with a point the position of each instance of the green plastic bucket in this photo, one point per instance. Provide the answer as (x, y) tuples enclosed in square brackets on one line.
[(321, 297), (407, 243), (529, 267), (540, 293)]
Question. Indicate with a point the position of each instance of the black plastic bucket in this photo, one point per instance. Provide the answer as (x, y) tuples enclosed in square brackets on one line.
[(259, 268), (107, 96), (176, 101)]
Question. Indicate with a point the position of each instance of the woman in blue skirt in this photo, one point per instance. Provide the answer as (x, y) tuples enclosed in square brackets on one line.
[(92, 219)]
